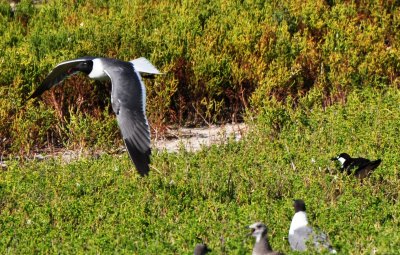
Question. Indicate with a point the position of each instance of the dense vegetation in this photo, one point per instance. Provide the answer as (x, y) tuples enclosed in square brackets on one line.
[(220, 58), (311, 78), (102, 206)]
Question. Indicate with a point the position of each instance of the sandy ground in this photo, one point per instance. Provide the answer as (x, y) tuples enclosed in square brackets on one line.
[(190, 139)]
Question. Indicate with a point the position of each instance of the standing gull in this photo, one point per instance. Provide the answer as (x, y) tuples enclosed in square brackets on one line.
[(128, 98), (300, 233), (361, 167), (262, 246)]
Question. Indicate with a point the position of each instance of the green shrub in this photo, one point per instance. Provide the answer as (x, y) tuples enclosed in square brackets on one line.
[(101, 205), (220, 58)]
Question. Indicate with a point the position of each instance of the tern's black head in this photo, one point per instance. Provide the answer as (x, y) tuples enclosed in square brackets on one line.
[(84, 66), (344, 156), (299, 205)]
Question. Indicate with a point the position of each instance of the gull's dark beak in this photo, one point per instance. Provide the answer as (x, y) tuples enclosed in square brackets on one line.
[(252, 231)]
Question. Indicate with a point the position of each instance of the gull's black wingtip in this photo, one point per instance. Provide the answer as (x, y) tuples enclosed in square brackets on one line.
[(39, 91), (33, 95), (140, 160), (143, 171)]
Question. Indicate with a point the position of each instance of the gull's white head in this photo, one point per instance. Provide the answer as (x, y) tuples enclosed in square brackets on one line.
[(98, 71)]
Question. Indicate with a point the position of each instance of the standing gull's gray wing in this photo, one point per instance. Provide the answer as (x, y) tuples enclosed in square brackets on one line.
[(307, 235), (128, 99), (300, 237), (58, 74)]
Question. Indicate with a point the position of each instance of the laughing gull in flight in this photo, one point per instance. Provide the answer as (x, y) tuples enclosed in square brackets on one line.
[(128, 98), (300, 232), (363, 167), (262, 246), (201, 249)]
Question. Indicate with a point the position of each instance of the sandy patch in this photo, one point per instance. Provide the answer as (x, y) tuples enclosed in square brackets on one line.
[(193, 139)]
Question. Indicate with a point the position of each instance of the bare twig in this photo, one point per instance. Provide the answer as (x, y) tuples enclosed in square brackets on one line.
[(155, 169), (201, 115), (291, 161)]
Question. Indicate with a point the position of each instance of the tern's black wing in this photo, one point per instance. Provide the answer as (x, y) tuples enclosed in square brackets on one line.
[(367, 169), (128, 98), (58, 74), (358, 163)]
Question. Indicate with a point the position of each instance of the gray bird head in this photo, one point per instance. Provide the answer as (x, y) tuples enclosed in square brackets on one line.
[(258, 230), (201, 249)]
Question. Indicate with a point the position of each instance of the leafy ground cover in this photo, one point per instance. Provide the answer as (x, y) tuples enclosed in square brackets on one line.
[(100, 205), (316, 78), (220, 58)]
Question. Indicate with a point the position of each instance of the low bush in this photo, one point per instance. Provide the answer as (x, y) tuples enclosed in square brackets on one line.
[(101, 205), (220, 59)]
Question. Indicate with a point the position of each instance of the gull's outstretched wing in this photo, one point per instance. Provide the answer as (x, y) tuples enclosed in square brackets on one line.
[(128, 99), (58, 74)]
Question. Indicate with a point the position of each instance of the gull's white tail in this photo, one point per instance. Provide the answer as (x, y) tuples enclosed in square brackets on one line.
[(142, 65)]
